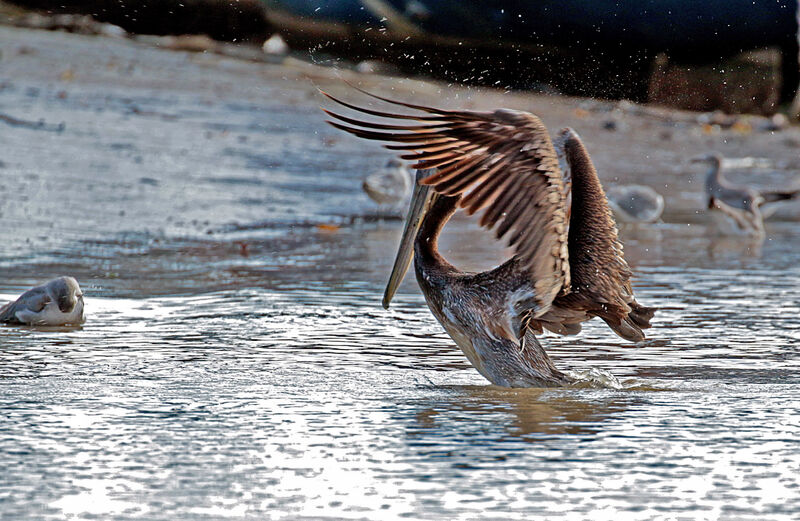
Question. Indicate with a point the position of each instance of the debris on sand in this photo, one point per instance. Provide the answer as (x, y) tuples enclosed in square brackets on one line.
[(183, 42), (275, 45), (71, 23), (35, 125)]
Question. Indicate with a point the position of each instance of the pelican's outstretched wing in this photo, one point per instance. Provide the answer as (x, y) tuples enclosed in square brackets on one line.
[(502, 162), (505, 163), (600, 276)]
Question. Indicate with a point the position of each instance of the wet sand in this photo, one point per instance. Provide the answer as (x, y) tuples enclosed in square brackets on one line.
[(135, 150)]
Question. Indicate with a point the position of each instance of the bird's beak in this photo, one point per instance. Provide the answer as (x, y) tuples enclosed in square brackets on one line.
[(700, 159), (421, 201)]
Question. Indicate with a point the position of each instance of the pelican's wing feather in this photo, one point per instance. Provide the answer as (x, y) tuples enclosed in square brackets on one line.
[(600, 275), (501, 162)]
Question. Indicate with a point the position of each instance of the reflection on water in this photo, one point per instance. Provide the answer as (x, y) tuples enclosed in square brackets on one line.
[(303, 398), (236, 362)]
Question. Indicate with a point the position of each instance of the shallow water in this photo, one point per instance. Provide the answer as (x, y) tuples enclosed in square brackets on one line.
[(236, 362), (303, 399)]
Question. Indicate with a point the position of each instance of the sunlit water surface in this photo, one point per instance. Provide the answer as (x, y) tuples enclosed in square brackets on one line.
[(236, 362), (303, 399)]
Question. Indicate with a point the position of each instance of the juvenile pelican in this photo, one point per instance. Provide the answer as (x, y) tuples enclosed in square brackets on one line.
[(390, 186), (566, 268), (55, 303), (634, 204)]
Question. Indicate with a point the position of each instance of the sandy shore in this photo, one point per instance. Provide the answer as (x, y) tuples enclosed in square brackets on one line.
[(115, 147)]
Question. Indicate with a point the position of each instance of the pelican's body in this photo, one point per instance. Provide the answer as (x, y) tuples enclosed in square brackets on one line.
[(635, 204), (736, 209), (480, 311), (390, 186), (567, 267), (56, 303)]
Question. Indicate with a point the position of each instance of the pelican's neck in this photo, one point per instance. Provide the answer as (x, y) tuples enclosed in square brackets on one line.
[(587, 191), (426, 245), (589, 211)]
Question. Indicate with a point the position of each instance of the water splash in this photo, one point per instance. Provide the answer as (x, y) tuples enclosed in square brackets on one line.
[(594, 378)]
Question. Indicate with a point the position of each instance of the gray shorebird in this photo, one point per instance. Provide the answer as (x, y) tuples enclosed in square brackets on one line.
[(567, 266), (737, 209), (390, 186), (635, 204), (58, 302)]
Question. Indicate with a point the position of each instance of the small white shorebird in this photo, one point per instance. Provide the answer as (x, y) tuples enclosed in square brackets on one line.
[(635, 204), (55, 303), (389, 187), (737, 209)]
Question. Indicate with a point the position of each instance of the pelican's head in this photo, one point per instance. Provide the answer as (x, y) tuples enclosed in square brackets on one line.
[(560, 143), (564, 136), (422, 199)]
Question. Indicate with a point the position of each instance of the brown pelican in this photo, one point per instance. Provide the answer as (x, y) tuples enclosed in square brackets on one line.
[(55, 303), (567, 266), (634, 204), (390, 186), (736, 209)]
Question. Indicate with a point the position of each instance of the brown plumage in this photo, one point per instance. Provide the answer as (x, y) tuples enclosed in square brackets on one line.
[(504, 164)]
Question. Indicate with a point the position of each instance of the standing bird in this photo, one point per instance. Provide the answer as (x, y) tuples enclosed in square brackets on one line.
[(736, 209), (635, 204), (567, 266), (390, 186), (55, 303)]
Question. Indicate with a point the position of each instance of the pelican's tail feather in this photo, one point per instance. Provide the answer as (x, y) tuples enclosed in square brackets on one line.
[(641, 315), (630, 327)]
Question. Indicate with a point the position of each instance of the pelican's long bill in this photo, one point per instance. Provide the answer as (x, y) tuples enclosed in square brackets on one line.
[(420, 202)]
